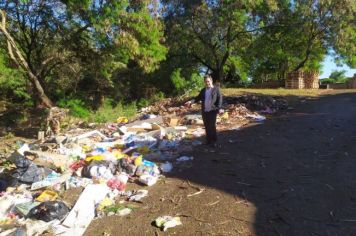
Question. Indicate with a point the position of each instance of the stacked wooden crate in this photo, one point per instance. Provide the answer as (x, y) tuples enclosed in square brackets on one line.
[(311, 80), (301, 80), (294, 80)]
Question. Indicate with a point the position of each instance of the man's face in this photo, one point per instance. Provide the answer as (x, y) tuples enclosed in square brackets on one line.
[(208, 83)]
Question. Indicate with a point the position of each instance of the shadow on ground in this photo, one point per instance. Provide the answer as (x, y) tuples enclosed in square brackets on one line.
[(291, 175), (21, 122)]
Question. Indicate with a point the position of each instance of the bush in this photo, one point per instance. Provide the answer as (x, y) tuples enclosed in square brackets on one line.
[(196, 82), (12, 82), (178, 81), (76, 107), (109, 112), (143, 102), (183, 85)]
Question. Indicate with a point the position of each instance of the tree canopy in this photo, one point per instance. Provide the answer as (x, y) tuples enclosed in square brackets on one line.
[(90, 49)]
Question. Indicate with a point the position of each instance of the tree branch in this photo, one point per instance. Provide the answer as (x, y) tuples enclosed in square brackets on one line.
[(202, 61), (22, 62)]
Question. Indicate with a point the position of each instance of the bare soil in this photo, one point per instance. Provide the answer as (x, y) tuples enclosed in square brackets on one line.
[(294, 174)]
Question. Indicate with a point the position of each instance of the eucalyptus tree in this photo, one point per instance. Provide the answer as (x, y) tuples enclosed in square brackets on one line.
[(27, 27), (75, 46)]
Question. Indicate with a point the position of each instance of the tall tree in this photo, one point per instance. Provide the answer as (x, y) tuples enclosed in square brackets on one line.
[(78, 45), (307, 31), (210, 32), (24, 61)]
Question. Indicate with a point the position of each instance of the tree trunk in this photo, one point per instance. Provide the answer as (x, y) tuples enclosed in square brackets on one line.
[(20, 60), (218, 75)]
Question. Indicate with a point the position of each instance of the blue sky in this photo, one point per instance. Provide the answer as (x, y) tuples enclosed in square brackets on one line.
[(329, 66)]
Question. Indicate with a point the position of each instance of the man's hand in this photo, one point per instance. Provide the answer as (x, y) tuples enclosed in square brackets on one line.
[(221, 111)]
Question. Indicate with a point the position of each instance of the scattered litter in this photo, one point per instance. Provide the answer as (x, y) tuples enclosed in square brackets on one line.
[(185, 158), (124, 212), (122, 120), (86, 135), (268, 110), (256, 117), (166, 167), (83, 211), (24, 208), (47, 195), (23, 149), (36, 227), (165, 222), (196, 193), (197, 143), (118, 182), (48, 211), (149, 180), (136, 196)]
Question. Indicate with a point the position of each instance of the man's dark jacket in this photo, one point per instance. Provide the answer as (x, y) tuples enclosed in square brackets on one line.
[(216, 99)]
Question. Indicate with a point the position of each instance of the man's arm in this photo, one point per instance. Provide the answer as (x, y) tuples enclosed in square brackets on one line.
[(219, 98), (196, 99)]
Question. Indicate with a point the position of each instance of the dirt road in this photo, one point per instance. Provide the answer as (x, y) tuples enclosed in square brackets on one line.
[(291, 175)]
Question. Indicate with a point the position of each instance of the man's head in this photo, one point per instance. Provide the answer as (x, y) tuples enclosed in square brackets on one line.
[(208, 81)]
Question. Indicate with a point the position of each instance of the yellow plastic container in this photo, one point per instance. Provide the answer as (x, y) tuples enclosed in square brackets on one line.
[(122, 120), (94, 158), (138, 161), (119, 154), (47, 195)]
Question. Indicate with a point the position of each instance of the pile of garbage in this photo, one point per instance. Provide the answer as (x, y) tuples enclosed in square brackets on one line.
[(168, 106), (266, 104), (252, 103), (103, 162)]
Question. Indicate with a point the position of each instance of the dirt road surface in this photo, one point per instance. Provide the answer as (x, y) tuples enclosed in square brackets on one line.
[(291, 175)]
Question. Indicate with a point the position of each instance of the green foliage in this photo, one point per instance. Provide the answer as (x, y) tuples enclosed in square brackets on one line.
[(143, 102), (209, 33), (77, 47), (195, 82), (109, 112), (302, 33), (157, 97), (183, 85), (178, 81), (87, 50), (338, 75), (236, 70), (76, 107), (9, 135), (12, 84), (327, 81)]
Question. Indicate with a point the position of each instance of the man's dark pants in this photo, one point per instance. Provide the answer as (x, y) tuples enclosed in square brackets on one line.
[(209, 119)]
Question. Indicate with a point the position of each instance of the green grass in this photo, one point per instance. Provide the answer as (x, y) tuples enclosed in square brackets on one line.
[(274, 92), (106, 113), (109, 113)]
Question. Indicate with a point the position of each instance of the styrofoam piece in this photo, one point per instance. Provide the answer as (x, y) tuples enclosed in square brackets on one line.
[(88, 134), (83, 211)]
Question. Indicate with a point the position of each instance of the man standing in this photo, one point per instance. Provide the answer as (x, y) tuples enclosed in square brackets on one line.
[(211, 102)]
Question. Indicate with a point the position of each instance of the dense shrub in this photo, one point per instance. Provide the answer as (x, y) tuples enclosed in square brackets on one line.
[(76, 107)]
